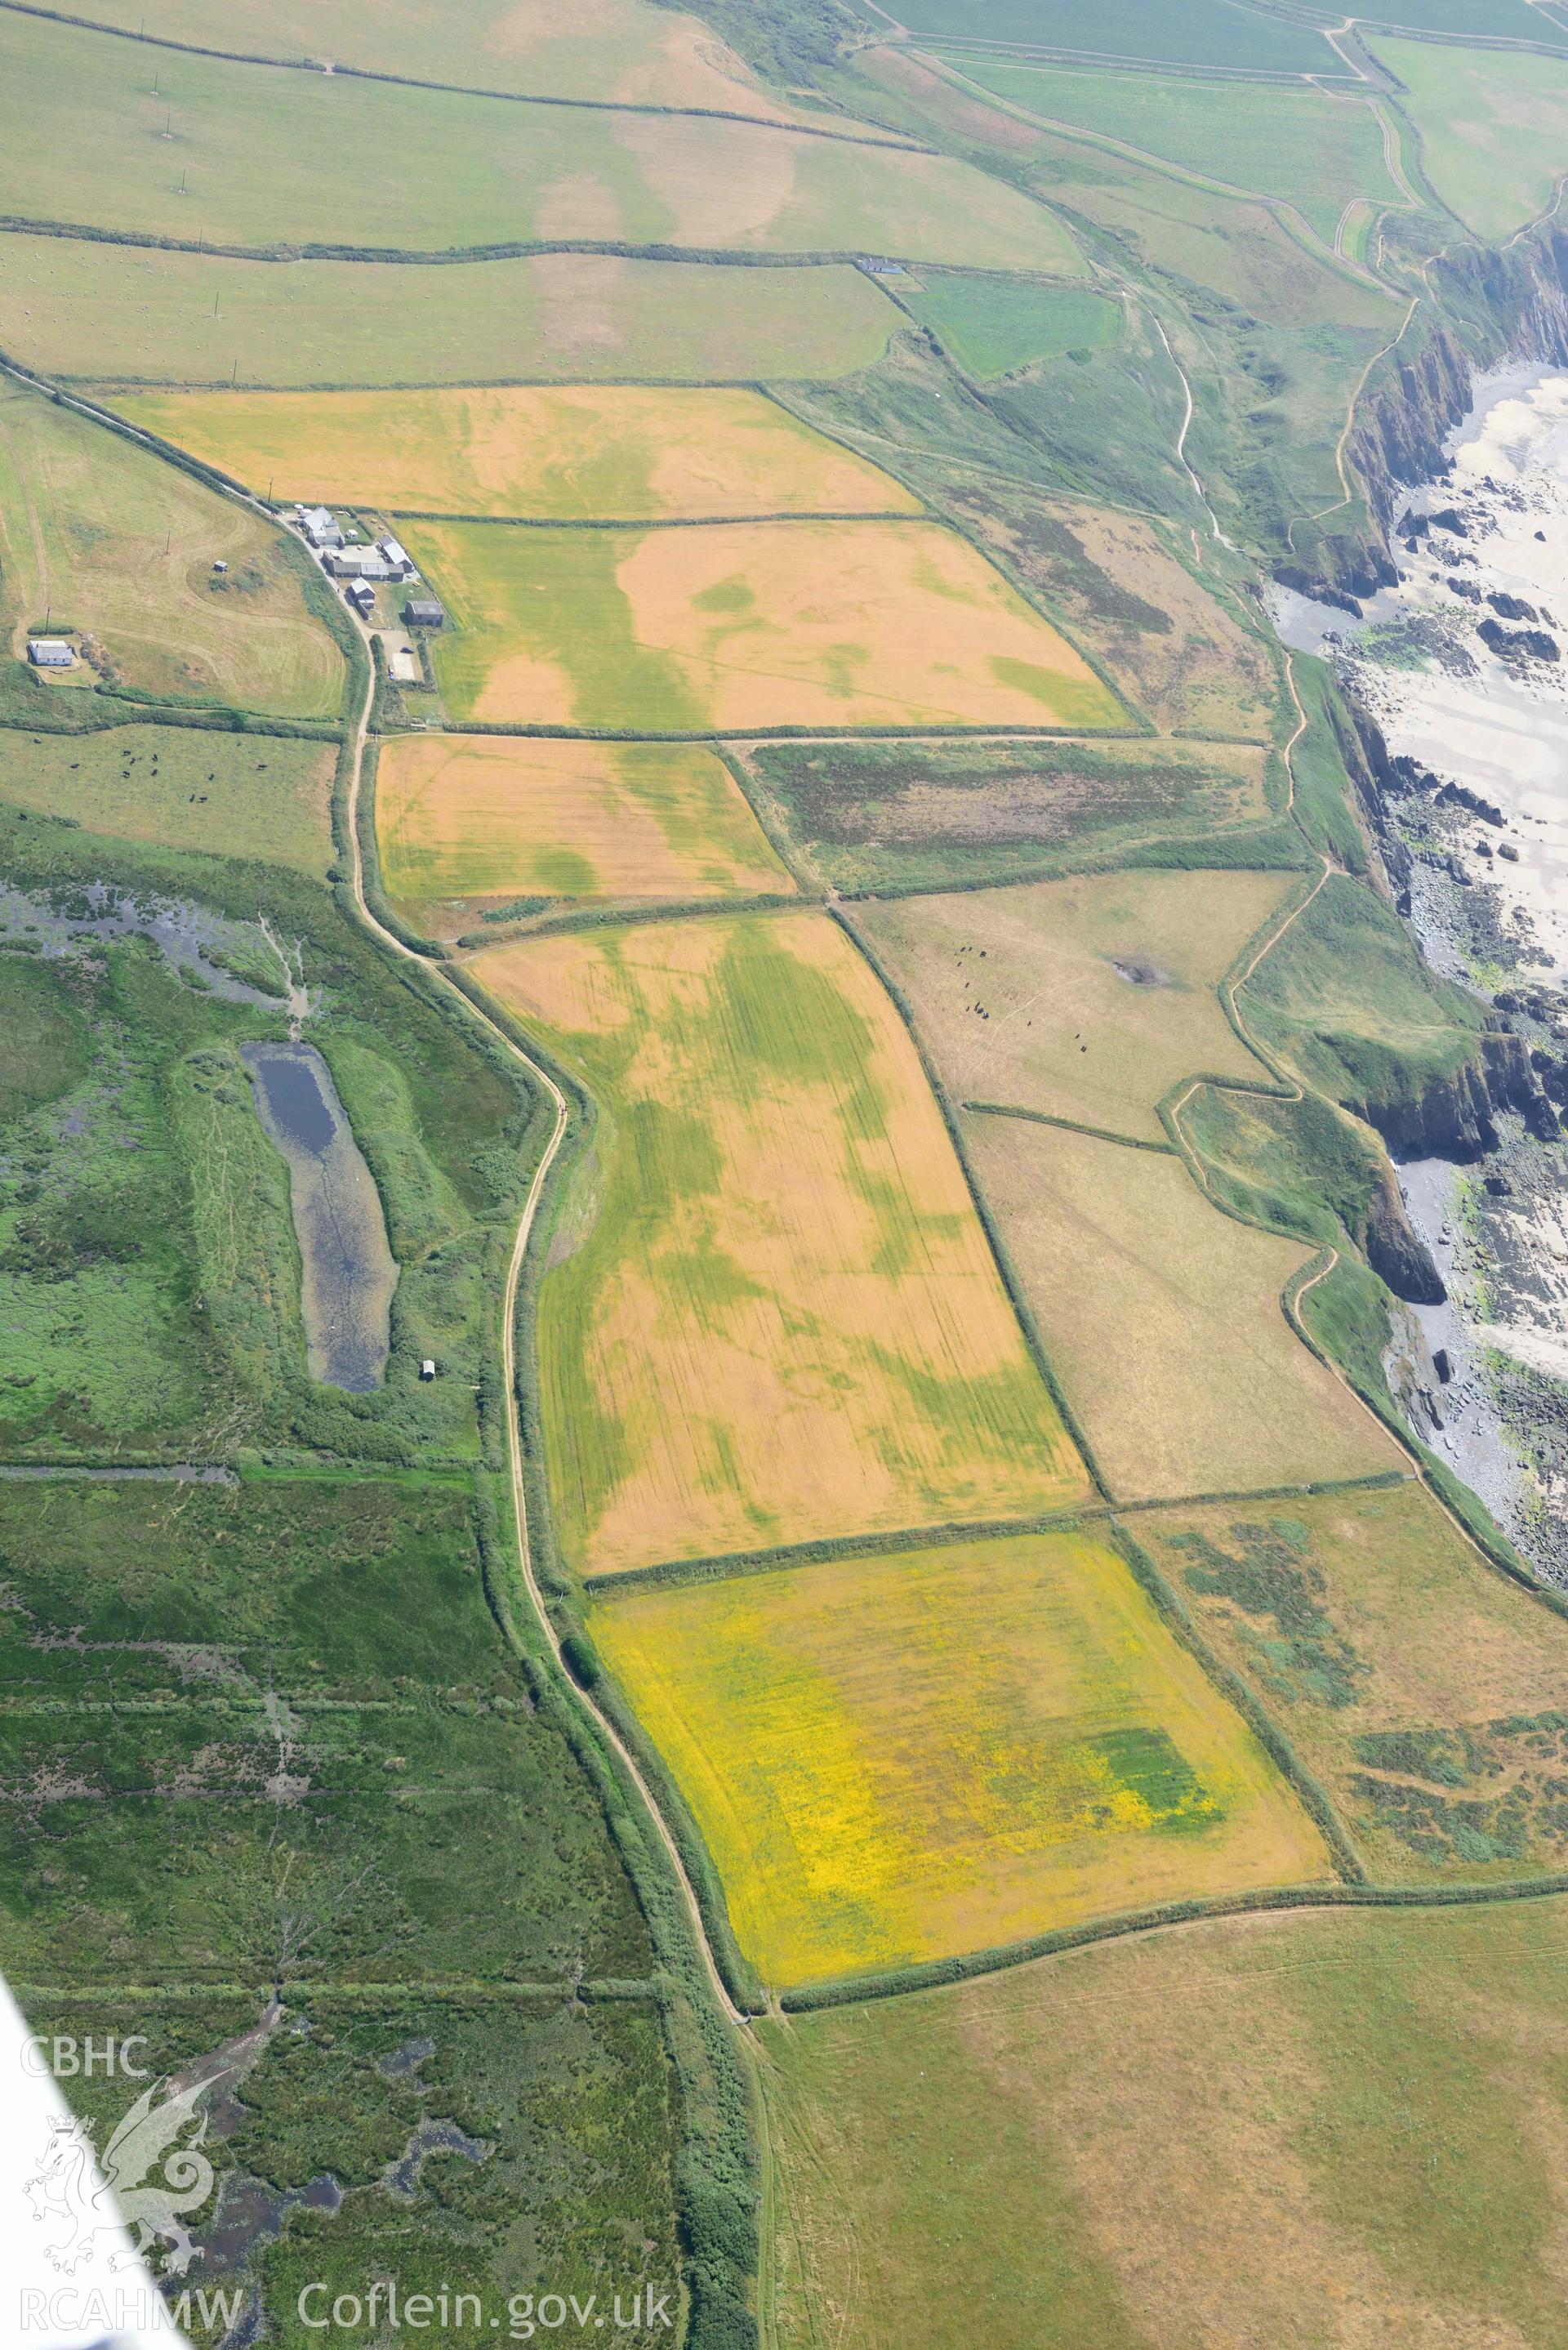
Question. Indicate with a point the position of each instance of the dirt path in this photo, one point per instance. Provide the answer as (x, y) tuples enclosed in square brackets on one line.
[(543, 1079)]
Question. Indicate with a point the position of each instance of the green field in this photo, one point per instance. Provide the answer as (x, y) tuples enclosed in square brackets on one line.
[(1085, 1000), (627, 51), (1304, 2131), (254, 155), (1478, 20), (269, 1734), (1162, 1319), (99, 538), (1203, 32), (1421, 1690), (1493, 127), (147, 317), (993, 324), (770, 1314), (1305, 147), (224, 795), (921, 813), (898, 1759)]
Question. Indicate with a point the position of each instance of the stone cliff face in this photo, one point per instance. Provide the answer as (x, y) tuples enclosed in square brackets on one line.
[(1514, 306), (1456, 1117), (1395, 1251)]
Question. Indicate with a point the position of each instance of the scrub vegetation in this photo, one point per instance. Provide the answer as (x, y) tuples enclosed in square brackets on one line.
[(1422, 1689), (867, 816)]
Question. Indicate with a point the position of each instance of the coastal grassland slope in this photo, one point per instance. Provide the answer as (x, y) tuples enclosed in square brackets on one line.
[(769, 1313), (1085, 999), (1162, 1317), (220, 794), (146, 1255), (1314, 149), (1206, 33), (630, 52), (752, 624), (1103, 424), (898, 1759), (994, 325), (913, 814), (1492, 126), (469, 825), (143, 315), (1423, 1691), (267, 1738), (1238, 2130), (257, 155), (1347, 999), (97, 536), (567, 453)]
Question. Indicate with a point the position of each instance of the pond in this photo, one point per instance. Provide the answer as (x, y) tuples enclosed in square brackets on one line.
[(350, 1272)]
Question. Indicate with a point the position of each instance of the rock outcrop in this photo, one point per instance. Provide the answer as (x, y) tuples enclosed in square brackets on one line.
[(1395, 1252), (1456, 1117)]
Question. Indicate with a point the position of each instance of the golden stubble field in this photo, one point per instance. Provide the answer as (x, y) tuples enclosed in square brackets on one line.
[(466, 822), (900, 1758), (1085, 999), (752, 624), (770, 1315), (1163, 1321), (563, 453)]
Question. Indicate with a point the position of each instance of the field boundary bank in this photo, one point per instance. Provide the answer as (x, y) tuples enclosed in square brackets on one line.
[(935, 1974), (654, 521), (648, 1994), (459, 256), (1068, 1126), (1001, 1256), (899, 141), (1103, 61), (827, 1548)]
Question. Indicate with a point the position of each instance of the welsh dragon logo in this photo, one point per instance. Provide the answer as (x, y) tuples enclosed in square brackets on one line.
[(66, 2196)]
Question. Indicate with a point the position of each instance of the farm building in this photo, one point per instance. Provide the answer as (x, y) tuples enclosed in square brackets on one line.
[(399, 562), (362, 595), (319, 525), (423, 612), (50, 652), (358, 563)]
